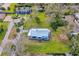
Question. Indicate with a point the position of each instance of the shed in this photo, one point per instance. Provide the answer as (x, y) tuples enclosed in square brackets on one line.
[(39, 34)]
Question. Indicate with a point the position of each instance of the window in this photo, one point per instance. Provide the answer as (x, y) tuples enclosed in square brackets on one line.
[(39, 37), (34, 37)]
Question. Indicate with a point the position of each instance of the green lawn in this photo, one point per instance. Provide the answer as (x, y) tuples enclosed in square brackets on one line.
[(2, 34), (31, 23), (52, 46), (12, 8)]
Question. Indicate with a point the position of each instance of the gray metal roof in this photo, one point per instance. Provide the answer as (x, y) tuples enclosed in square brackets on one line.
[(39, 32)]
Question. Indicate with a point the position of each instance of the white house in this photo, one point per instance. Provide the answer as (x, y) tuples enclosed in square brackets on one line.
[(39, 34)]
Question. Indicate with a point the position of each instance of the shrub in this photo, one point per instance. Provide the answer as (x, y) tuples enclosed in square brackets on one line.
[(20, 23), (2, 8), (1, 28), (18, 30), (37, 20), (41, 10), (58, 22), (68, 12), (13, 47)]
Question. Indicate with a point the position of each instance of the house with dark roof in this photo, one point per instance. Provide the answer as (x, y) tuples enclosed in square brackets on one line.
[(39, 34)]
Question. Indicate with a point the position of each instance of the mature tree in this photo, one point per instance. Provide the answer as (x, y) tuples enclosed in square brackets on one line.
[(74, 45), (53, 9), (58, 22)]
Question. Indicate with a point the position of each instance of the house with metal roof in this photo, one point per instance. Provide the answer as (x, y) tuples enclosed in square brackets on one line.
[(39, 34), (23, 10)]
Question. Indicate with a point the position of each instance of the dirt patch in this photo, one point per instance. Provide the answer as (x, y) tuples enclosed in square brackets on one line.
[(12, 34)]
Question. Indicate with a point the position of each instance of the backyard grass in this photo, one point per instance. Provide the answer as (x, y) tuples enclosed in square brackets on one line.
[(2, 34), (52, 46)]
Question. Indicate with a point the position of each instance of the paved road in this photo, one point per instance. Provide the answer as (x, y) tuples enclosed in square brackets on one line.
[(7, 33), (5, 40)]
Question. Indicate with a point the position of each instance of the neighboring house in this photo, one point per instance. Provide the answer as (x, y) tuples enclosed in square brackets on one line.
[(39, 8), (2, 16), (23, 10), (39, 34), (76, 15), (6, 5)]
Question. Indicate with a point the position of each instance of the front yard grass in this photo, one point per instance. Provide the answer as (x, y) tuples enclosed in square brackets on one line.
[(31, 23), (5, 26)]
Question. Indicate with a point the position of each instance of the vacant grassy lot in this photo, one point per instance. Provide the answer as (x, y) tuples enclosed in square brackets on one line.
[(5, 26)]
